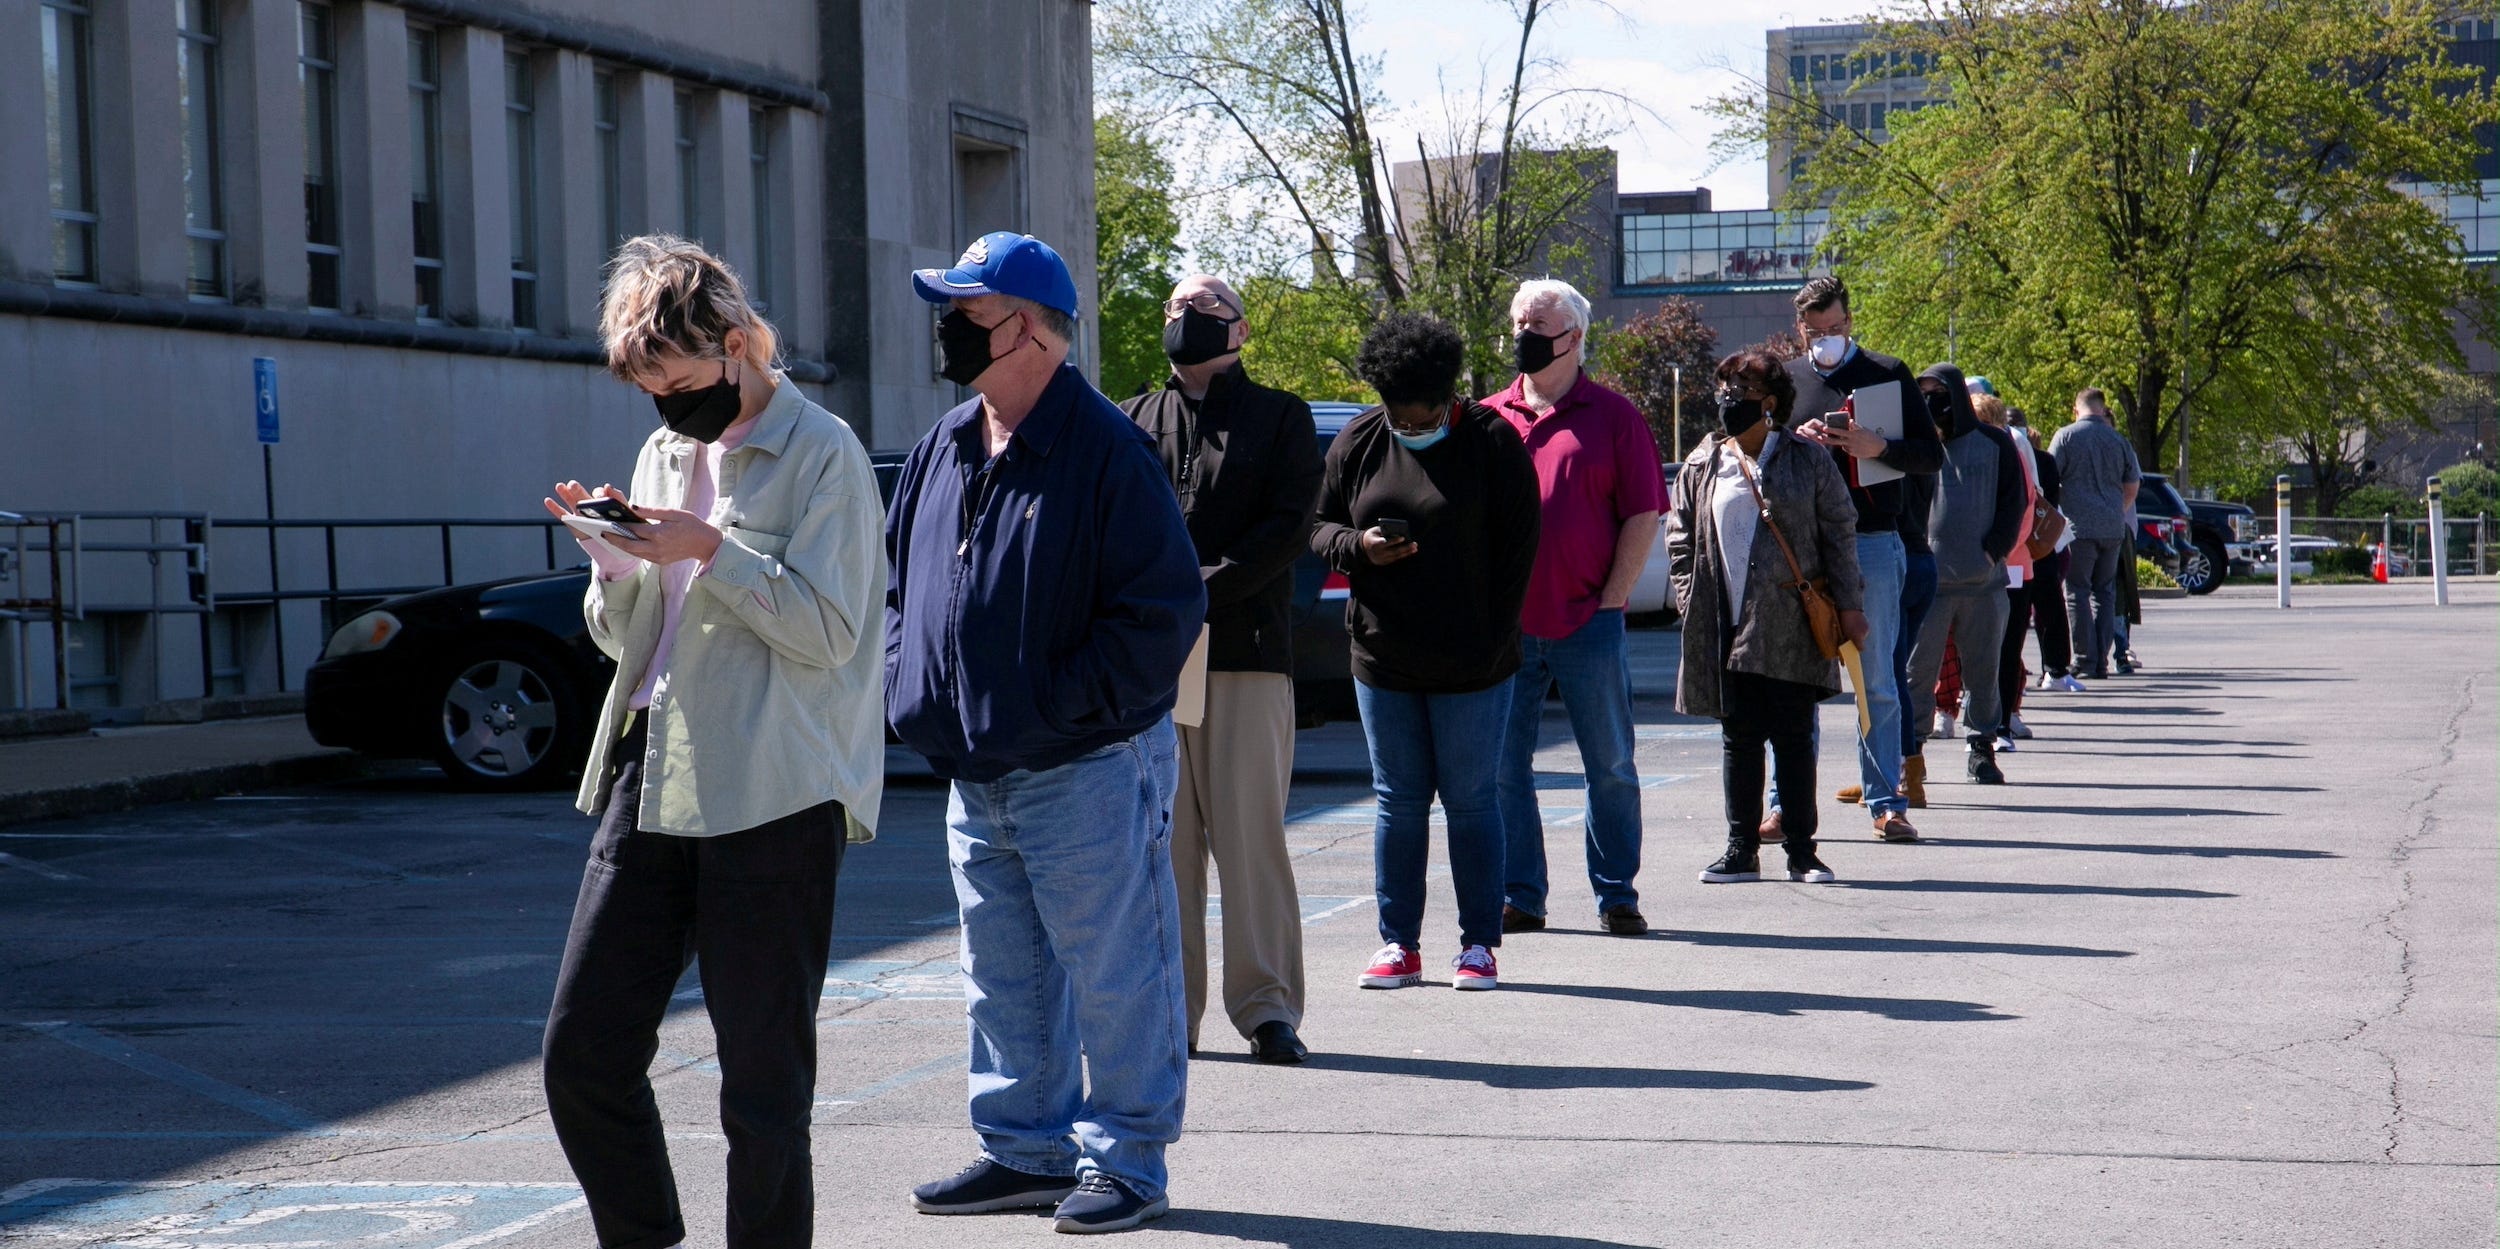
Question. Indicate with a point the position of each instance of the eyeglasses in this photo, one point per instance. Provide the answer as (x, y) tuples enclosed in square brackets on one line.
[(1203, 301)]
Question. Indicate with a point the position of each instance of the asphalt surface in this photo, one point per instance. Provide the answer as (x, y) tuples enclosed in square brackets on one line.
[(2215, 969)]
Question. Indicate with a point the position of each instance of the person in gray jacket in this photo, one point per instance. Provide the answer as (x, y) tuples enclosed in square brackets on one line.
[(1750, 497), (1981, 499)]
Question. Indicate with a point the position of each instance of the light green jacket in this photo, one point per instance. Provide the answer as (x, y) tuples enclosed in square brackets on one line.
[(774, 698)]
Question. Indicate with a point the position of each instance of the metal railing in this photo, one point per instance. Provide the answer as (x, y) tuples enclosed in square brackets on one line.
[(66, 543), (2408, 538)]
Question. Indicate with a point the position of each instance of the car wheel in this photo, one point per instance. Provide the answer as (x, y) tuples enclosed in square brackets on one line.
[(2202, 568), (506, 719)]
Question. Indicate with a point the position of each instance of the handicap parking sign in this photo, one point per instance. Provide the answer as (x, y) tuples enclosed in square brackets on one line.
[(297, 1214)]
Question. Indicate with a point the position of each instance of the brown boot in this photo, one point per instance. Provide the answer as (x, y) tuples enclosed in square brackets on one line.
[(1770, 831), (1914, 781), (1849, 794), (1894, 826)]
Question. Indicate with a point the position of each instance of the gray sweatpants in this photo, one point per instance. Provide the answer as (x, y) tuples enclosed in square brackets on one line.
[(2092, 600), (1974, 620)]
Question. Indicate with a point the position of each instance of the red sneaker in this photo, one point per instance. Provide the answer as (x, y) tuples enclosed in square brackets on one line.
[(1395, 967), (1474, 969)]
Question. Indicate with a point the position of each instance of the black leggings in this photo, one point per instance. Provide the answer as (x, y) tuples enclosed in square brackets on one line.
[(1762, 710)]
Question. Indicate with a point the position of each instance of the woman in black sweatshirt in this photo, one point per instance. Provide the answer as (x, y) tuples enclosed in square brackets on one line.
[(1428, 505)]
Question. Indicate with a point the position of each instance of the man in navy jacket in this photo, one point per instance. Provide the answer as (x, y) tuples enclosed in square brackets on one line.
[(1045, 597)]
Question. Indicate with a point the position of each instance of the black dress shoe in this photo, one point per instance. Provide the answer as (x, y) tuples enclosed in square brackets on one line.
[(1274, 1042), (1516, 920), (1624, 920)]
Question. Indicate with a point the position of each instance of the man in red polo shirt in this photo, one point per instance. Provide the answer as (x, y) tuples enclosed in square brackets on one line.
[(1602, 488)]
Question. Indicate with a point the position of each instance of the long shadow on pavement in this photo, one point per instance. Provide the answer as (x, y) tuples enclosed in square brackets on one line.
[(1296, 1232), (1778, 1002), (2172, 787), (2029, 887), (1537, 1077), (2190, 852), (1886, 945), (2114, 812)]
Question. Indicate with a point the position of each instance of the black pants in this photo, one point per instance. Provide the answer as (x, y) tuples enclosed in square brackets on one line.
[(756, 908), (1763, 710), (2048, 613)]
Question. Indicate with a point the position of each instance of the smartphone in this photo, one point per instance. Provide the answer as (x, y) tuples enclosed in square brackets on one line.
[(1391, 527), (1836, 420), (611, 510)]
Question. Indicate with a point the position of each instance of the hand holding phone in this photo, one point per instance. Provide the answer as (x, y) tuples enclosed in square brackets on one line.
[(1391, 527), (1387, 541), (1836, 420), (612, 510)]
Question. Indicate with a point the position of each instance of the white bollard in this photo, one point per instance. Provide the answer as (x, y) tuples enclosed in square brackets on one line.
[(2387, 543), (2283, 541), (2439, 548)]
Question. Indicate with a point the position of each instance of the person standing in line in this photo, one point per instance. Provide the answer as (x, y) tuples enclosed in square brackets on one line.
[(1836, 365), (1982, 501), (1244, 461), (1045, 600), (741, 747), (2019, 573), (1428, 507), (2098, 474), (2047, 606), (1601, 489), (1755, 511)]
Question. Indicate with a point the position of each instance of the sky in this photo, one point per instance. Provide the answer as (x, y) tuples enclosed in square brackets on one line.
[(1672, 56)]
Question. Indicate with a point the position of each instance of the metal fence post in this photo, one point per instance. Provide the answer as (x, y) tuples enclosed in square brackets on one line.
[(2387, 543), (2283, 540), (2439, 547)]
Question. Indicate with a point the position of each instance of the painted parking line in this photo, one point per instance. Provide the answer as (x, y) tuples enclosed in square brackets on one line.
[(1315, 906), (942, 1065), (297, 1214), (867, 979), (79, 1036)]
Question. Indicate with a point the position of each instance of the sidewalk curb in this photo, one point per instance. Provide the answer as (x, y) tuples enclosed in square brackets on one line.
[(140, 791)]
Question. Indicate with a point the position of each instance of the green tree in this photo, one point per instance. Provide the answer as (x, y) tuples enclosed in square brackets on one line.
[(1641, 358), (1136, 245), (2200, 207)]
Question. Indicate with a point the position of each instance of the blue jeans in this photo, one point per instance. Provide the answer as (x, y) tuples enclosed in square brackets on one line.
[(1072, 962), (1886, 567), (1594, 668), (1918, 594), (1422, 744)]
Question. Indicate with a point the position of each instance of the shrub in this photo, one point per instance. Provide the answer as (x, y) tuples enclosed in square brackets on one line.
[(2149, 576), (2342, 559), (2470, 489)]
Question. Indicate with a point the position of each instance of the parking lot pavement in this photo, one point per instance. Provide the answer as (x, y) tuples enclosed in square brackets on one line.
[(2215, 968)]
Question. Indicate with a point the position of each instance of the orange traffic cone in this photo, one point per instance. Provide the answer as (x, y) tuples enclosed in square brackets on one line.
[(2378, 565)]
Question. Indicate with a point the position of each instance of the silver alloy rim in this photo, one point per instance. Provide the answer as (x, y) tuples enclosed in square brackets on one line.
[(2195, 570), (499, 718)]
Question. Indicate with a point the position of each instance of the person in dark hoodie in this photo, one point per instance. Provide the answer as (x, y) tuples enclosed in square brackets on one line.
[(1981, 500), (1428, 505)]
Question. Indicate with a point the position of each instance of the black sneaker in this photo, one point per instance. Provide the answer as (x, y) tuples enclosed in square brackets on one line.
[(1516, 920), (1275, 1042), (1103, 1204), (1624, 920), (1738, 865), (1983, 768), (2126, 667), (1807, 869), (987, 1186)]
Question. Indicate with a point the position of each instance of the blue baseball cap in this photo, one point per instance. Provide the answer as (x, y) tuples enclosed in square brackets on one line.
[(1981, 386), (1002, 263)]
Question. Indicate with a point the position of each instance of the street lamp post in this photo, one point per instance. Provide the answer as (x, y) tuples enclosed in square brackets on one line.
[(1677, 402)]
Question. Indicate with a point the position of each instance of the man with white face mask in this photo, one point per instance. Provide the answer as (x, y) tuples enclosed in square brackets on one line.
[(1835, 366)]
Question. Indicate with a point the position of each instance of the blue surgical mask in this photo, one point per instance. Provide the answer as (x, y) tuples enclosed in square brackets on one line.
[(1417, 442)]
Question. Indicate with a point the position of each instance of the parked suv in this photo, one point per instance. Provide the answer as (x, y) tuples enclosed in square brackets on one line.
[(2212, 528), (2161, 527)]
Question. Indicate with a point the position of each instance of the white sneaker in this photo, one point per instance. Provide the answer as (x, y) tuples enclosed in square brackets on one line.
[(2016, 729), (2045, 680), (2005, 743), (1944, 726), (2069, 685)]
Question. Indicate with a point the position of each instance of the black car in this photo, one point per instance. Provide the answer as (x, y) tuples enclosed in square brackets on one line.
[(2161, 526), (2213, 527), (500, 684)]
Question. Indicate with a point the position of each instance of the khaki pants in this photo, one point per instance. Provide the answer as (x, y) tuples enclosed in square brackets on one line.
[(1235, 769)]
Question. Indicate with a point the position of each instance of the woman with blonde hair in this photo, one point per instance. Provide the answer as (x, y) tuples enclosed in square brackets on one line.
[(741, 747)]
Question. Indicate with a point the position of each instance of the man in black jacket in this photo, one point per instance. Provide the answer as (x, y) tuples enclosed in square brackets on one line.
[(1245, 461), (1835, 367)]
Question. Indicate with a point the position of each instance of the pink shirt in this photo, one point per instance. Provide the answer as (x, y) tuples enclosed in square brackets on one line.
[(702, 499), (1596, 467)]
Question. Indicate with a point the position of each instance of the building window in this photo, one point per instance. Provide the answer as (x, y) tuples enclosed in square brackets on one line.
[(203, 189), (760, 164), (689, 169), (1816, 67), (1857, 117), (605, 120), (520, 112), (1875, 116), (317, 71), (425, 166), (1797, 68), (989, 173), (69, 139), (1665, 249)]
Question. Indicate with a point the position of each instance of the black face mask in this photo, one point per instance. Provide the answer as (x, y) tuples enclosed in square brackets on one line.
[(701, 414), (1940, 410), (963, 348), (1738, 414), (1196, 337), (1532, 351)]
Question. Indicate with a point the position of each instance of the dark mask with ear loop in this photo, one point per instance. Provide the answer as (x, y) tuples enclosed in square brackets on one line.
[(1738, 413), (704, 414), (1196, 337)]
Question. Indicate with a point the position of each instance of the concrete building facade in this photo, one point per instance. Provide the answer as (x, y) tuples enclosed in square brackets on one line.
[(406, 204)]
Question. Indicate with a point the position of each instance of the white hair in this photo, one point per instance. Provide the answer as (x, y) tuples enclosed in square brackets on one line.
[(1552, 290)]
